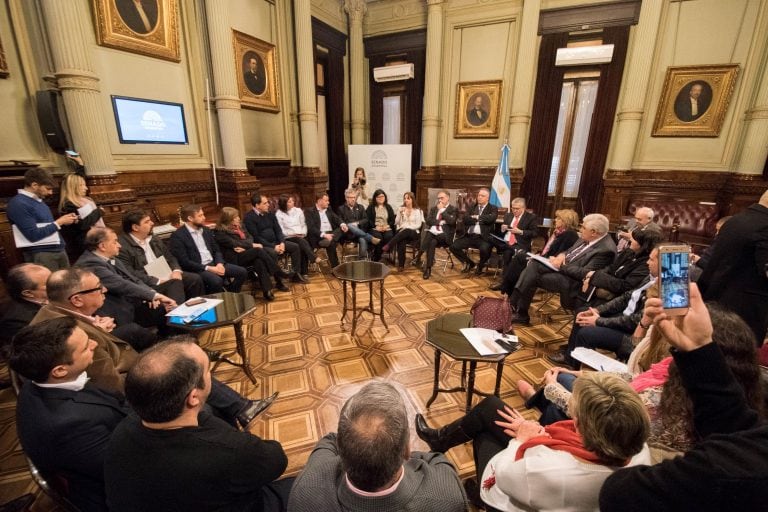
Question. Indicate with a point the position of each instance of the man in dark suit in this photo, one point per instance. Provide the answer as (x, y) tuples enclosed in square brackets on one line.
[(735, 274), (196, 250), (594, 251), (441, 226), (479, 222), (476, 114), (25, 284), (254, 76), (65, 425), (519, 228), (127, 297), (354, 223), (138, 247), (265, 230), (692, 105), (323, 227)]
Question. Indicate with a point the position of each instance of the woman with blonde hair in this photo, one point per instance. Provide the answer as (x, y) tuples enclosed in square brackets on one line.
[(563, 236), (526, 466), (238, 248), (73, 199), (358, 185), (408, 222)]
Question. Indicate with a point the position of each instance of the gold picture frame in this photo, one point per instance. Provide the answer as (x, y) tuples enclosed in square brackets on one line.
[(256, 71), (477, 109), (4, 72), (694, 100), (153, 32)]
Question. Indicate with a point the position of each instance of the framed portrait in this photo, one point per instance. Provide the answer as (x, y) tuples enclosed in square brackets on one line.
[(694, 101), (147, 27), (3, 63), (256, 70), (477, 109)]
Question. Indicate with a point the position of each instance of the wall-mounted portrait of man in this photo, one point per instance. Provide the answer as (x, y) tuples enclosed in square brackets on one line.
[(147, 27), (257, 72), (139, 15), (478, 108), (254, 74), (693, 100)]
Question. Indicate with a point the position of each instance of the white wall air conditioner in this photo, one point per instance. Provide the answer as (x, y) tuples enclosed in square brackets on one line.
[(584, 55), (393, 73)]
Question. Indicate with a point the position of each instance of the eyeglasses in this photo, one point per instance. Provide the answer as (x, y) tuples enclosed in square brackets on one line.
[(99, 288)]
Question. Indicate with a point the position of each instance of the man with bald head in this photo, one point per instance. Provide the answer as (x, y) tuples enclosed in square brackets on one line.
[(175, 455), (643, 220), (26, 287)]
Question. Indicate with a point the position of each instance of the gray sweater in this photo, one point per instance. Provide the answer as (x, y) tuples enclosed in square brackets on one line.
[(430, 483)]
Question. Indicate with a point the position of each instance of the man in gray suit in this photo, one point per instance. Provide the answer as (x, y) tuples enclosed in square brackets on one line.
[(594, 251)]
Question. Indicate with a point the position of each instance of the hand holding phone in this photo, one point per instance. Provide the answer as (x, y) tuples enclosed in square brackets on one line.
[(674, 260)]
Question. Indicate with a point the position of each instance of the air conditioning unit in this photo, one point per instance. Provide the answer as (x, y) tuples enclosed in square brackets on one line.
[(393, 73), (584, 55)]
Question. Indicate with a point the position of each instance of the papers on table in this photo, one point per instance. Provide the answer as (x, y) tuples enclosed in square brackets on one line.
[(544, 261), (189, 313), (21, 241), (158, 268), (482, 340), (597, 360), (86, 210)]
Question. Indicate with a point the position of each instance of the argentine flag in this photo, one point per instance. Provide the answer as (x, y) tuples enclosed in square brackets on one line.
[(501, 187)]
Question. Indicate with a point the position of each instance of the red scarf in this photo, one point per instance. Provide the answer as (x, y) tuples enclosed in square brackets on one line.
[(563, 437), (239, 232)]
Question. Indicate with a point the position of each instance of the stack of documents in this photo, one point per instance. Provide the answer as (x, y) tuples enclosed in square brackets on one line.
[(483, 340), (597, 360)]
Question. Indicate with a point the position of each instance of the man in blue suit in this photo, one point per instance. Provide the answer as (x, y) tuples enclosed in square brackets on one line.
[(197, 251)]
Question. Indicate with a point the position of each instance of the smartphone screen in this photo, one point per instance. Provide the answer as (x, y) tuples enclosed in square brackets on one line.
[(674, 279)]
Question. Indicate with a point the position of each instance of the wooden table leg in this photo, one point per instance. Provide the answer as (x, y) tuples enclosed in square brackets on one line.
[(435, 384), (499, 370), (242, 352), (470, 385), (354, 306), (381, 304), (344, 316)]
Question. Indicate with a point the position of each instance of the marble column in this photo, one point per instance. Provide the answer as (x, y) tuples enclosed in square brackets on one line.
[(754, 149), (635, 87), (307, 95), (225, 92), (356, 10), (66, 24), (524, 85), (432, 76)]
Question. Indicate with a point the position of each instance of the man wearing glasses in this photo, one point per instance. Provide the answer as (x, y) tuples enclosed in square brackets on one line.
[(519, 228), (441, 226)]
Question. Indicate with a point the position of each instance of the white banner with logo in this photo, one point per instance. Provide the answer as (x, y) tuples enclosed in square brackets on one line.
[(387, 166)]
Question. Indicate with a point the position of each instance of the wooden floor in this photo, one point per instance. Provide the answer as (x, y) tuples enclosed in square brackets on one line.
[(297, 347)]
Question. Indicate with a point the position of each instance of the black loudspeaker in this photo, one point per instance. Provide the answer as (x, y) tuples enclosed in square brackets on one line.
[(50, 120)]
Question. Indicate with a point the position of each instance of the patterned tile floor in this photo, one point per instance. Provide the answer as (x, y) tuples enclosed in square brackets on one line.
[(297, 347)]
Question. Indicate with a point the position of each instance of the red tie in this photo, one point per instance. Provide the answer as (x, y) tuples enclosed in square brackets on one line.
[(512, 238), (439, 218)]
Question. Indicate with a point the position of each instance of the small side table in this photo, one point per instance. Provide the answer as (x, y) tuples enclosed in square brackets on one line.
[(234, 308), (355, 272), (444, 336)]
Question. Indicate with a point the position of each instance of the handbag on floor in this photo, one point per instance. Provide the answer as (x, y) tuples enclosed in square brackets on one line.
[(492, 313)]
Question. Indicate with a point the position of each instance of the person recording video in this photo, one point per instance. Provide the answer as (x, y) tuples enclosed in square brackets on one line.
[(358, 185)]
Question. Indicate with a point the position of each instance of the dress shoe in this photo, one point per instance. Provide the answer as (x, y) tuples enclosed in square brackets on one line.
[(253, 408), (282, 274), (495, 286), (467, 267), (269, 296), (559, 359), (280, 286), (444, 438), (298, 278), (479, 271), (517, 318), (427, 273)]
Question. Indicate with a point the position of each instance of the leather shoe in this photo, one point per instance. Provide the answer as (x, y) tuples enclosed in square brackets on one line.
[(427, 273), (282, 274), (479, 271), (253, 408), (280, 286), (517, 318), (495, 286), (426, 434), (298, 278), (559, 359), (269, 296)]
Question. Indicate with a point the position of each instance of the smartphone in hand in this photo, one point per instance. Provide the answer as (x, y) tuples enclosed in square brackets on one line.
[(674, 279)]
